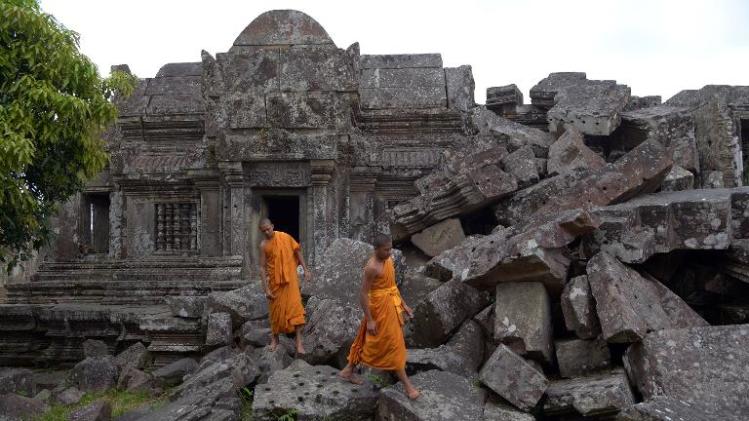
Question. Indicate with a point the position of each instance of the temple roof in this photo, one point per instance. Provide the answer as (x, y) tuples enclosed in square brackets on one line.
[(283, 27)]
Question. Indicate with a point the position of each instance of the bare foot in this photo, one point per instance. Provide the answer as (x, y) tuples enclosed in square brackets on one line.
[(413, 394), (348, 375), (300, 349)]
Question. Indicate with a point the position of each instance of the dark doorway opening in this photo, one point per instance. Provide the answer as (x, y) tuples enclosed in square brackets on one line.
[(744, 133), (95, 223), (283, 211)]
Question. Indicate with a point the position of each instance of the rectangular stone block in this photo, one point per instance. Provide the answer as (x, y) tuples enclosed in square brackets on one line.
[(439, 237), (522, 319), (398, 61), (386, 98), (246, 110), (701, 365), (408, 78), (579, 308), (317, 69), (460, 87), (579, 357), (629, 306), (599, 395), (306, 110), (512, 378)]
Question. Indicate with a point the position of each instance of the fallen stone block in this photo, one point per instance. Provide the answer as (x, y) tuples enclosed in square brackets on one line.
[(313, 392), (95, 349), (512, 378), (69, 396), (451, 263), (496, 411), (462, 354), (243, 304), (640, 171), (444, 396), (664, 408), (678, 179), (569, 153), (598, 395), (218, 329), (16, 380), (705, 365), (331, 326), (173, 374), (100, 410), (629, 305), (218, 401), (543, 93), (135, 356), (17, 407), (523, 165), (255, 333), (442, 312), (579, 308), (502, 99), (439, 237), (94, 374), (663, 222), (638, 102), (416, 286), (135, 380), (522, 319), (44, 396), (268, 362), (535, 255), (492, 130), (592, 106), (187, 306), (238, 367), (479, 185), (578, 357)]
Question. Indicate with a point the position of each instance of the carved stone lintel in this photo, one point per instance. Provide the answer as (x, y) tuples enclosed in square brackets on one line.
[(279, 174), (322, 171)]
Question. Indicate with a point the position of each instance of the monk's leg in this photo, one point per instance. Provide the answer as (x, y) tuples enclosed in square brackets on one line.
[(411, 391), (348, 374), (273, 341), (299, 340)]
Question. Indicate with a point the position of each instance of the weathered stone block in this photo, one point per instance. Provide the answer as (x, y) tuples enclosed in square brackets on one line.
[(501, 99), (95, 349), (640, 171), (399, 61), (544, 92), (268, 362), (331, 326), (17, 407), (135, 356), (416, 286), (243, 304), (173, 374), (578, 308), (237, 367), (386, 98), (451, 263), (94, 374), (569, 153), (312, 69), (663, 408), (313, 392), (663, 222), (255, 333), (496, 411), (460, 87), (442, 312), (444, 396), (218, 329), (100, 410), (705, 365), (306, 110), (512, 378), (629, 305), (412, 78), (187, 306), (17, 380), (135, 380), (522, 164), (69, 396), (579, 357), (599, 395), (678, 179), (439, 237), (462, 354), (522, 319)]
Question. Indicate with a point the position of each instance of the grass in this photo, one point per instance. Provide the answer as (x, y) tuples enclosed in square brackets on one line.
[(122, 401), (246, 396)]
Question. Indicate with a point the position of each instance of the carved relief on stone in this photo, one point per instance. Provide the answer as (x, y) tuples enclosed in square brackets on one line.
[(408, 157), (279, 175)]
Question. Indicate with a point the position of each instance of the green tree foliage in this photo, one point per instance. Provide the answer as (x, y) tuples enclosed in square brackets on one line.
[(54, 107)]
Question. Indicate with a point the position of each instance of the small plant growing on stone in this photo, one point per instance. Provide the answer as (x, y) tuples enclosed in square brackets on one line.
[(378, 381), (290, 415)]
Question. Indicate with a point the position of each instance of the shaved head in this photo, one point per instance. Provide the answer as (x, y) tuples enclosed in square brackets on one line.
[(265, 221), (381, 240)]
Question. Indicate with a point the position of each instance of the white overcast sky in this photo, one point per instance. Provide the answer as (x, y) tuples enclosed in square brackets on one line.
[(657, 47)]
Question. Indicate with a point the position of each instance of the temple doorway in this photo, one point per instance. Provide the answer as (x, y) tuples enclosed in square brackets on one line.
[(284, 212)]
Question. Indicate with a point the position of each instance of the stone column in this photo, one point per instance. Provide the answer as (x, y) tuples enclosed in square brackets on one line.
[(323, 209), (211, 212), (362, 203), (234, 226)]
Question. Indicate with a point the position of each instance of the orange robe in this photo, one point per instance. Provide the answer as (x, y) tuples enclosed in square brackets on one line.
[(286, 309), (387, 349)]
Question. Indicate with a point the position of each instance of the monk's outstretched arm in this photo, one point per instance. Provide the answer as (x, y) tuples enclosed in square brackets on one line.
[(369, 276), (263, 274)]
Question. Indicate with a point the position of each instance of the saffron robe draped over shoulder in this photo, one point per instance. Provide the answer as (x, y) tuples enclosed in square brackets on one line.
[(286, 311), (385, 350)]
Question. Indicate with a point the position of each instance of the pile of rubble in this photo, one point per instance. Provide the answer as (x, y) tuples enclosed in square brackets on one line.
[(566, 274)]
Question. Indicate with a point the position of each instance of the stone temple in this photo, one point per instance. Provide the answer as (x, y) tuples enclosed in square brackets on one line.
[(575, 242)]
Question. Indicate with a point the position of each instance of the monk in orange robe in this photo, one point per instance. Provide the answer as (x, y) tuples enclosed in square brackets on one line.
[(280, 255), (379, 343)]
